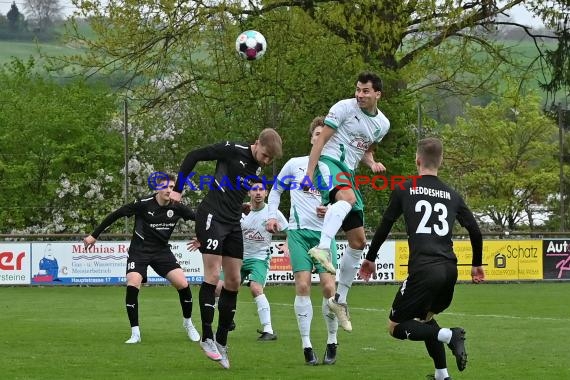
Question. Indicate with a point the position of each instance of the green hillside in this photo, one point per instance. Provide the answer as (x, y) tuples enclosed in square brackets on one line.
[(23, 50)]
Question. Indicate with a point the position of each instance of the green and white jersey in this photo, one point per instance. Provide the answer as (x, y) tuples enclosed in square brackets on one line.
[(356, 131), (303, 213), (256, 239)]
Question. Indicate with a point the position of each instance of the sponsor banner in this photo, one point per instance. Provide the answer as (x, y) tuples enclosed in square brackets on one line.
[(69, 263), (280, 266), (15, 263), (556, 259), (503, 260)]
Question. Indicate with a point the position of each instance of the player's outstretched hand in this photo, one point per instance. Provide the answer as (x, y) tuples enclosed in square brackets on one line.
[(193, 245), (367, 268), (272, 225), (477, 275), (378, 167), (89, 241), (245, 208), (175, 197), (321, 211)]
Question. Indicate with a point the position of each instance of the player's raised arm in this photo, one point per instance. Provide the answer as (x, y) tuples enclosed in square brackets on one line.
[(326, 133), (207, 153), (368, 160)]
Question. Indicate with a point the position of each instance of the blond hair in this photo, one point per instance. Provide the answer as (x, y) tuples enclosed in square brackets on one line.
[(271, 141), (430, 150)]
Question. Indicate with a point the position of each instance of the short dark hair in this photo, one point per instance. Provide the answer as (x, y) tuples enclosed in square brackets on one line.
[(430, 150), (368, 76), (318, 121), (169, 176)]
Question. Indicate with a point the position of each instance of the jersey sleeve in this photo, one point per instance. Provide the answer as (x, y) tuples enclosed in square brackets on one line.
[(127, 210), (390, 216), (336, 115), (186, 212), (282, 221), (283, 182), (213, 152), (467, 220)]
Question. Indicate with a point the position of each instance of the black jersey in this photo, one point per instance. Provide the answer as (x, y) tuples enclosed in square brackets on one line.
[(153, 223), (430, 210), (235, 169)]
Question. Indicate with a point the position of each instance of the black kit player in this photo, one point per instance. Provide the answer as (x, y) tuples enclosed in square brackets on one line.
[(155, 219), (430, 209), (218, 228)]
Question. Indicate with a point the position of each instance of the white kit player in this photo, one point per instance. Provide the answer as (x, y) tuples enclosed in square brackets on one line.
[(305, 226)]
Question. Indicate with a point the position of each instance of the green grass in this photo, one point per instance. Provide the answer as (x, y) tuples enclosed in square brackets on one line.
[(23, 50), (514, 331)]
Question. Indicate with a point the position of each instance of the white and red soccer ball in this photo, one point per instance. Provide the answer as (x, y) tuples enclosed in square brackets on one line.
[(251, 45)]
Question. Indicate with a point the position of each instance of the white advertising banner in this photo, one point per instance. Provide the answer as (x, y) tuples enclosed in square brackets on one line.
[(69, 263), (15, 263), (280, 269)]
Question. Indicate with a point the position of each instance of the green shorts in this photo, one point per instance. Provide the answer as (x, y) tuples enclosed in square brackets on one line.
[(255, 270), (338, 176), (299, 242)]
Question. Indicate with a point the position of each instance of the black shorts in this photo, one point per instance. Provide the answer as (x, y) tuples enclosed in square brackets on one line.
[(162, 262), (352, 220), (224, 239), (429, 289)]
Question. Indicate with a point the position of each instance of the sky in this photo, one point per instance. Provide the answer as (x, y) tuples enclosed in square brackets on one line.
[(519, 13)]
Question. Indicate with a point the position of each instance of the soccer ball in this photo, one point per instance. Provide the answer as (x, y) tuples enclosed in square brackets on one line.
[(251, 45)]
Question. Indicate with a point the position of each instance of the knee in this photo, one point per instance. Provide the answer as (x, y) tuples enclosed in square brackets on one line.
[(256, 289), (358, 242), (181, 283), (391, 327), (347, 196), (329, 289), (303, 289)]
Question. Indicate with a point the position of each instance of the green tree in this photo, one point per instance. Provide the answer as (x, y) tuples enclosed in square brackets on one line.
[(502, 158), (43, 12), (60, 156), (15, 18)]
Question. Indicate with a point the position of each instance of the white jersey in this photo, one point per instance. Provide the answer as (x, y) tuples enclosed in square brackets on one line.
[(356, 131), (303, 213), (256, 239)]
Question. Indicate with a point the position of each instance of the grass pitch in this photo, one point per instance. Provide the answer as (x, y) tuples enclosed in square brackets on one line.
[(514, 331)]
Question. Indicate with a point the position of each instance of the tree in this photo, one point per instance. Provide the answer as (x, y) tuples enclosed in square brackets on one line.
[(59, 154), (418, 43), (43, 12), (14, 18), (502, 157)]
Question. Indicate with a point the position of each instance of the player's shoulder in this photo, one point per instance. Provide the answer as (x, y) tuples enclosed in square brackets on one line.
[(381, 118), (303, 160), (238, 145), (147, 199), (346, 106)]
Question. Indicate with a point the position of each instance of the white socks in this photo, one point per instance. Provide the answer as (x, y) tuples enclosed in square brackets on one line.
[(264, 312), (304, 313), (349, 265), (332, 222), (441, 374), (331, 322)]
